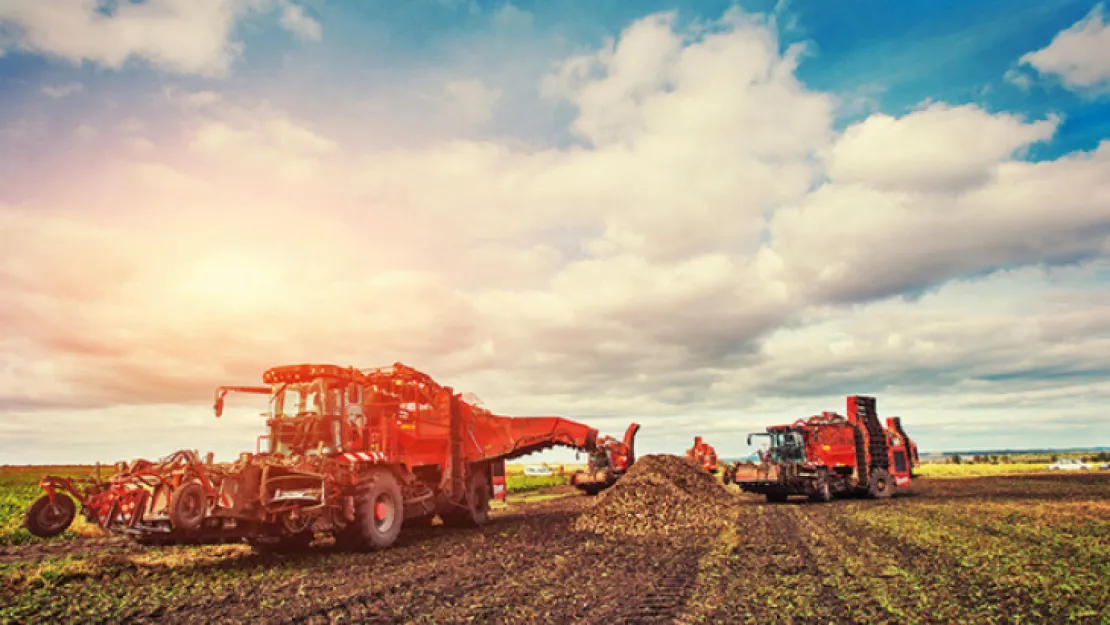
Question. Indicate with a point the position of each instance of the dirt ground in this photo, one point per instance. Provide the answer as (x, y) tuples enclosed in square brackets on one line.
[(668, 545)]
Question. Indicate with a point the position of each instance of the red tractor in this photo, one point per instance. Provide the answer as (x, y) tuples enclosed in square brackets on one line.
[(704, 455), (829, 454), (355, 453), (609, 460)]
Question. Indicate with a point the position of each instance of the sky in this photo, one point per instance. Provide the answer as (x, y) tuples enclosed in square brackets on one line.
[(705, 217)]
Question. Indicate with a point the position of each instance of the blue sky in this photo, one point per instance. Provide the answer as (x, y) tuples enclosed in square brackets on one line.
[(703, 216)]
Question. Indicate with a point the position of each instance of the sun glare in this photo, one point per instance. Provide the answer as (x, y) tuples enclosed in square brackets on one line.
[(233, 280)]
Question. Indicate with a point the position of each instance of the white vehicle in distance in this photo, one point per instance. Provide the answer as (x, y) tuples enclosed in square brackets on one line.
[(537, 470), (1069, 464)]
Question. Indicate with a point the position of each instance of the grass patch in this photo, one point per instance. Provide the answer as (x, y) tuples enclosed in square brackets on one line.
[(528, 483), (970, 470)]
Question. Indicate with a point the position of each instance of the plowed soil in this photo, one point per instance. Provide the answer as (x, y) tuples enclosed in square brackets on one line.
[(668, 543)]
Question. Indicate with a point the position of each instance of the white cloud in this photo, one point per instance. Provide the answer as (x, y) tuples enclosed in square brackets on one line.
[(63, 90), (294, 19), (687, 263), (928, 150), (182, 36), (1019, 79), (858, 241), (1078, 55)]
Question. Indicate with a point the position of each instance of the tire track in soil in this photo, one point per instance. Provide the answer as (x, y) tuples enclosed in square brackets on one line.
[(594, 579), (747, 586), (326, 581), (91, 545), (478, 558)]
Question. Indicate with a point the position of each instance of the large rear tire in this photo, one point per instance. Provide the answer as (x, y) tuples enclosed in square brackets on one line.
[(880, 486), (476, 511), (380, 511), (46, 520)]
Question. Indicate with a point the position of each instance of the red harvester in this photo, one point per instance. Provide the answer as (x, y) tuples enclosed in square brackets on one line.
[(829, 454), (354, 453), (609, 460), (704, 455)]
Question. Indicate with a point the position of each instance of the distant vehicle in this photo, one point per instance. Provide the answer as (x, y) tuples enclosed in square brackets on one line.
[(537, 470), (1104, 467), (1069, 464)]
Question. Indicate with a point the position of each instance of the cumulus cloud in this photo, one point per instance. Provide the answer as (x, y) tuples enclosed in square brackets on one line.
[(182, 36), (690, 260), (294, 19), (908, 242), (928, 150), (1078, 55)]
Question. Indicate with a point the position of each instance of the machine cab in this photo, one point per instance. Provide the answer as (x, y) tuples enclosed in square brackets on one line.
[(785, 445)]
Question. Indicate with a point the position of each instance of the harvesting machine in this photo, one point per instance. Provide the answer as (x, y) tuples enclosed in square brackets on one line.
[(704, 455), (357, 453), (829, 454), (610, 459)]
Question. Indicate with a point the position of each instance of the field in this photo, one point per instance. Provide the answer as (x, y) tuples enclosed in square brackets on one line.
[(986, 549)]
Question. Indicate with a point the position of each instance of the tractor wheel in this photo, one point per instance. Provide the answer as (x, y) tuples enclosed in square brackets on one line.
[(822, 492), (880, 486), (476, 512), (187, 507), (46, 520), (379, 511)]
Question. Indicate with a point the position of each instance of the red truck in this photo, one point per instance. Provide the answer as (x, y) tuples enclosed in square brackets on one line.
[(829, 454), (356, 453)]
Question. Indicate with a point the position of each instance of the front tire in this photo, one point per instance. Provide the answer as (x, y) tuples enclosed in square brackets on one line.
[(187, 507), (379, 511), (46, 520)]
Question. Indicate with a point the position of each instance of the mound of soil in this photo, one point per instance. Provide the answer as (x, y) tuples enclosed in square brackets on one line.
[(661, 496)]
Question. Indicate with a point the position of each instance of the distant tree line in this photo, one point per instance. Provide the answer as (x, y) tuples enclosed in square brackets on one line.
[(1102, 456)]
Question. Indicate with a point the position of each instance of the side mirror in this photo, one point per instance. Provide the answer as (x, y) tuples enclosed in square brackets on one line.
[(219, 407), (749, 440)]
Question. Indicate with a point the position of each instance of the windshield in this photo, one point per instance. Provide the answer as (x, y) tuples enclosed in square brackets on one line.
[(292, 400), (306, 415), (787, 446)]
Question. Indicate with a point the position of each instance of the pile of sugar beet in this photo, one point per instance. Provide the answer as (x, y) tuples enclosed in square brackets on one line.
[(661, 496)]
